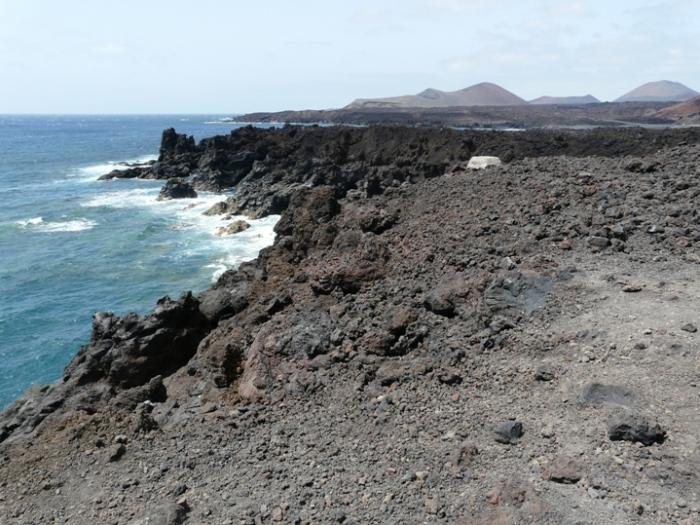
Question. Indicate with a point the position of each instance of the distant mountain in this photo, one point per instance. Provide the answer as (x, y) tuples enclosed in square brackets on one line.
[(662, 91), (566, 101), (689, 109), (484, 94)]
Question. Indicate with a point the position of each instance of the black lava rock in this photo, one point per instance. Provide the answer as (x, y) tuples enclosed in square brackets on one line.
[(636, 429), (508, 432), (177, 189)]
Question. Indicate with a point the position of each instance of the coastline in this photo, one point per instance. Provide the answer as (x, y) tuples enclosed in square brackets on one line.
[(356, 295), (71, 244)]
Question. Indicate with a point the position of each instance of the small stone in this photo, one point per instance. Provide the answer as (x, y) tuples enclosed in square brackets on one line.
[(450, 376), (545, 373), (548, 431), (565, 245), (121, 438), (598, 243), (690, 328), (421, 475), (411, 476), (508, 432), (464, 456), (632, 288), (432, 505), (277, 514), (116, 452), (563, 470), (233, 228), (629, 427), (440, 302), (593, 493)]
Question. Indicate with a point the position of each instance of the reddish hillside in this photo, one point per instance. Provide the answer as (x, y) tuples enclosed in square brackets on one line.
[(684, 110)]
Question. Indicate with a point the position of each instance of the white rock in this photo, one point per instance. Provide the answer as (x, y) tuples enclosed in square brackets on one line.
[(479, 163)]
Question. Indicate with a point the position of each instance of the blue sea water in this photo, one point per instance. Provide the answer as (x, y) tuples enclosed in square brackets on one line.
[(71, 245)]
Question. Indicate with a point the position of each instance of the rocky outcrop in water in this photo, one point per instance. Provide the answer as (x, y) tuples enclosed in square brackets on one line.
[(176, 188), (123, 364)]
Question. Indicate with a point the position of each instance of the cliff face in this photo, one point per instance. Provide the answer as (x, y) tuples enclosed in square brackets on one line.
[(405, 304)]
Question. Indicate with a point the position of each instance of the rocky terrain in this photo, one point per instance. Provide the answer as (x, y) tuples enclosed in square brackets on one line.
[(499, 117), (423, 343)]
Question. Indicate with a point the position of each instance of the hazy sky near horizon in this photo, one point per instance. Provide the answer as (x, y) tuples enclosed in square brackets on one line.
[(218, 56)]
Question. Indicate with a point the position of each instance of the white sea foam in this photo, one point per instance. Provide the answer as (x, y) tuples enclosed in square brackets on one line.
[(188, 214), (124, 199), (243, 246), (94, 171), (74, 225)]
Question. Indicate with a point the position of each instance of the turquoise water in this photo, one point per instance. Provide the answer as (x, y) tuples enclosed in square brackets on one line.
[(71, 245)]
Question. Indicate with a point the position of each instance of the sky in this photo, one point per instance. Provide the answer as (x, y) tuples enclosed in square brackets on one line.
[(236, 56)]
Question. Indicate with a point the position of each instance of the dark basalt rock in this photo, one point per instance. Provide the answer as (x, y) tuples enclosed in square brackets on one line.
[(173, 144), (125, 361), (441, 301), (177, 189), (129, 351), (220, 208), (630, 427), (508, 432), (128, 173)]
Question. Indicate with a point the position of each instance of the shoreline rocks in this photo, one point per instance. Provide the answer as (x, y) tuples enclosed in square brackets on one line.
[(176, 188), (233, 228)]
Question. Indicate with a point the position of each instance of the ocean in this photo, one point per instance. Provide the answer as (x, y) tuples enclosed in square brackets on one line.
[(71, 245)]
